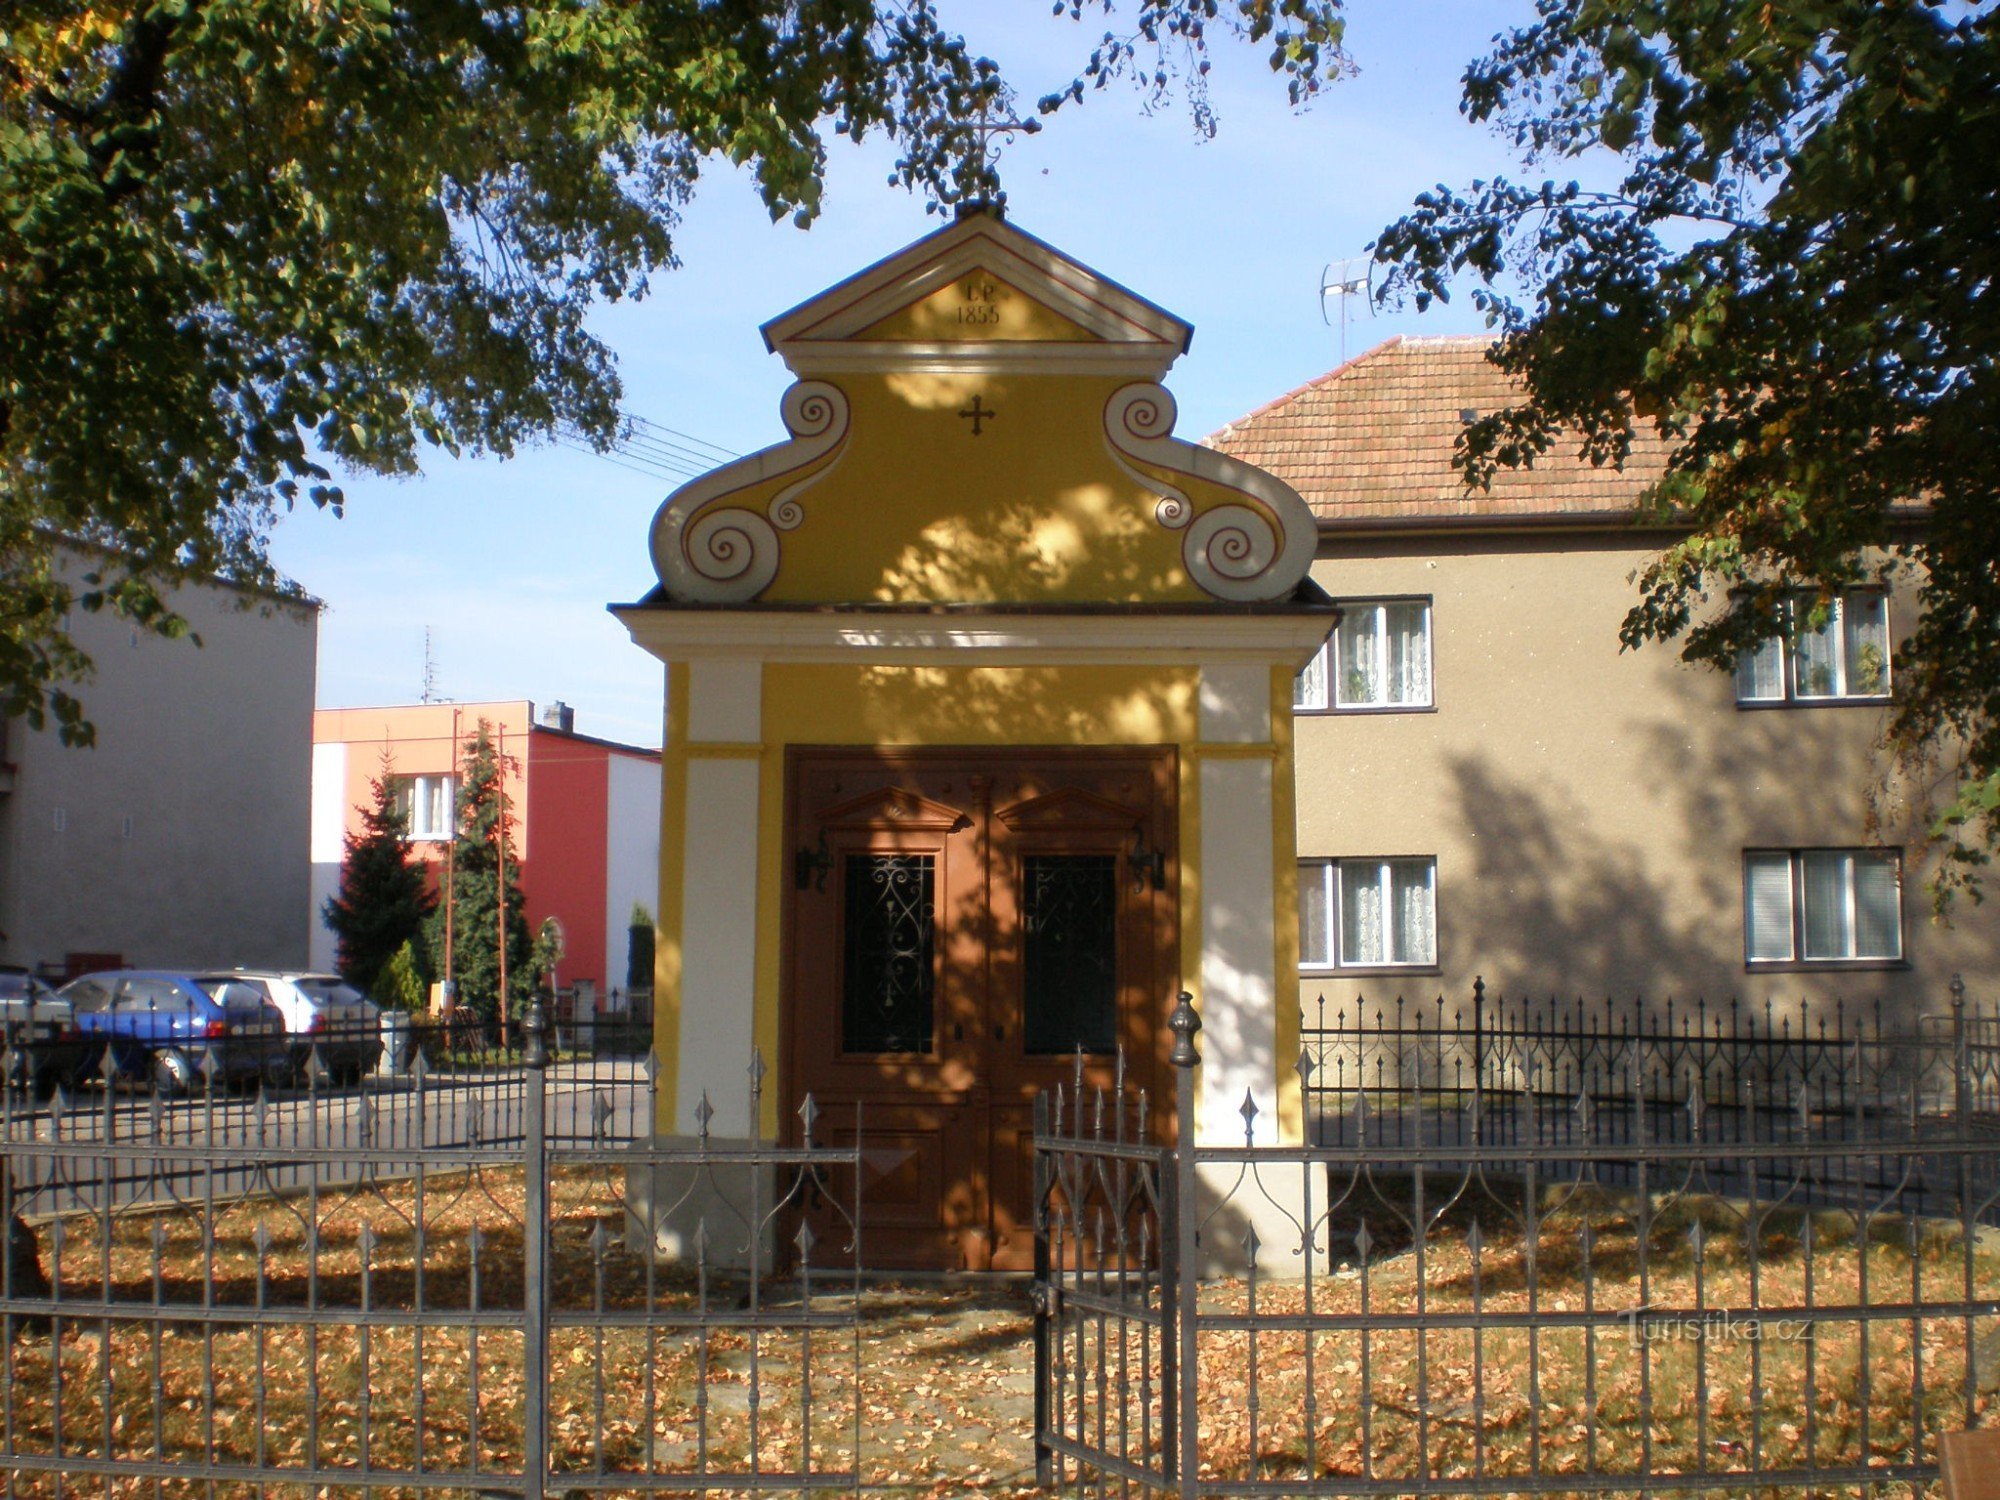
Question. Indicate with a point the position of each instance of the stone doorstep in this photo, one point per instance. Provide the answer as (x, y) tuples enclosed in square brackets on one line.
[(1972, 1464)]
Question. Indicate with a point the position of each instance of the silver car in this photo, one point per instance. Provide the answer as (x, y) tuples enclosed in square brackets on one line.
[(40, 1047), (324, 1014)]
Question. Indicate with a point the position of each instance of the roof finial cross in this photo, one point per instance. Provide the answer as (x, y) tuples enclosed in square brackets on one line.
[(978, 173)]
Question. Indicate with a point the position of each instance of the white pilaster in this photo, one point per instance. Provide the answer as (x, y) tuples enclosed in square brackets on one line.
[(725, 702), (1235, 702), (1238, 946), (718, 944)]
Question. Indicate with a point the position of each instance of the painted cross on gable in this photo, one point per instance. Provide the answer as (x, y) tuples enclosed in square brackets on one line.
[(977, 416)]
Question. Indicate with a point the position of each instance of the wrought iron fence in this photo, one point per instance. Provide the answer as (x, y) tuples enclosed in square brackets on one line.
[(1711, 1258), (438, 1280)]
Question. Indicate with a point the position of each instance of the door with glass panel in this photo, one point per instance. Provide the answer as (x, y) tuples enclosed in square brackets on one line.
[(965, 930)]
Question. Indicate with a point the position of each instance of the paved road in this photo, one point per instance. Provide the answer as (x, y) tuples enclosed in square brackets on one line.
[(137, 1149)]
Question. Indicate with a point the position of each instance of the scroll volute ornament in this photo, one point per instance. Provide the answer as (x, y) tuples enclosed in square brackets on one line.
[(1256, 548), (707, 551)]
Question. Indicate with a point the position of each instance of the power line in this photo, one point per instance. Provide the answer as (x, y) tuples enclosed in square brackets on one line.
[(636, 463), (651, 448)]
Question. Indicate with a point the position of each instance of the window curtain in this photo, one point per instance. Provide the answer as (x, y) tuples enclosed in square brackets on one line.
[(1760, 674), (1877, 907), (1409, 653), (1360, 656), (1767, 914), (1309, 687), (439, 789), (1814, 656), (1361, 914), (1865, 621), (1314, 950), (1416, 912), (1827, 879)]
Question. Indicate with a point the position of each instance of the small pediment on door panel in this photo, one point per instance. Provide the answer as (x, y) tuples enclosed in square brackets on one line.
[(893, 807), (1071, 807)]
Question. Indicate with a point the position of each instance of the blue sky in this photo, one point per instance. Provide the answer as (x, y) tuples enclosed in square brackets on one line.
[(510, 564)]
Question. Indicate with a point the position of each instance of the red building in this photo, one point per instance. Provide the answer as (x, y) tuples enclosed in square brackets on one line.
[(586, 811)]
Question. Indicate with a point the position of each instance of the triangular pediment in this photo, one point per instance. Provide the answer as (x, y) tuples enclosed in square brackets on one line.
[(1071, 808), (979, 294), (894, 807)]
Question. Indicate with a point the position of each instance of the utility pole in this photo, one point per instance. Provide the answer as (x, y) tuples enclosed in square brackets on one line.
[(450, 873), (500, 863)]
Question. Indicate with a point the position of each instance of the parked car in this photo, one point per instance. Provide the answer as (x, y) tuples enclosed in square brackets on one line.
[(322, 1012), (166, 1026), (39, 1044)]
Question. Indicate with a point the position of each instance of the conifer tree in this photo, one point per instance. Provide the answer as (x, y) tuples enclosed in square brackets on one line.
[(485, 842), (384, 895)]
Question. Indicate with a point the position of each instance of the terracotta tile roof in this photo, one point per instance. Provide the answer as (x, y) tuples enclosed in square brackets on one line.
[(1372, 441)]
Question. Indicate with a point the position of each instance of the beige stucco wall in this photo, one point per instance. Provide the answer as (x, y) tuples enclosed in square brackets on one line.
[(181, 837), (1589, 808)]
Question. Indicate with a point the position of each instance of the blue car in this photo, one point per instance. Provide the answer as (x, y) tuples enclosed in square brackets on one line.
[(172, 1028)]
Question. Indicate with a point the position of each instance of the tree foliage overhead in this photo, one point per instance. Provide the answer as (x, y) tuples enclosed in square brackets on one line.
[(1793, 277), (242, 238), (384, 894)]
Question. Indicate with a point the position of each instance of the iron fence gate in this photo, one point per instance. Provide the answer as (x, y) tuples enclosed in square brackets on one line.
[(448, 1283), (1529, 1273)]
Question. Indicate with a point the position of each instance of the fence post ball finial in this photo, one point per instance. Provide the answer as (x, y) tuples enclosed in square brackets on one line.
[(1184, 1023), (534, 1035)]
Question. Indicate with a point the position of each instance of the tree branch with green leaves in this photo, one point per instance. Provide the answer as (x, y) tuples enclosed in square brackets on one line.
[(1793, 282), (247, 245)]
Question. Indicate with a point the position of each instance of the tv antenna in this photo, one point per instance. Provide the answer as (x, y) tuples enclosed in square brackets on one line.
[(430, 694), (1343, 281)]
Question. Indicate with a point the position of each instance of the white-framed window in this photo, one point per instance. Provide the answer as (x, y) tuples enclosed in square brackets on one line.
[(1368, 913), (1822, 906), (1841, 658), (426, 802), (1378, 658)]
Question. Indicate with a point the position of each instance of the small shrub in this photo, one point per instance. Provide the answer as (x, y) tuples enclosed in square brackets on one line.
[(400, 985)]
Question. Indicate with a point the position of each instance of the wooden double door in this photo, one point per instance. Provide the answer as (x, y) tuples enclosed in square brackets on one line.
[(963, 926)]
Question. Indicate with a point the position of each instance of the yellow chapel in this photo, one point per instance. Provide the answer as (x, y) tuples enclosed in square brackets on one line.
[(978, 739)]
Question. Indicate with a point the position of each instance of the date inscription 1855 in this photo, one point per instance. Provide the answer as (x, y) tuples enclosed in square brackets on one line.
[(981, 300)]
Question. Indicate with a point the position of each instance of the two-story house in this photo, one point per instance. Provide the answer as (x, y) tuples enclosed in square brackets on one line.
[(1489, 786)]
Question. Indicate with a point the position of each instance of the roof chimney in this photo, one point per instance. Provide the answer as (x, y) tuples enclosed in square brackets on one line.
[(559, 715)]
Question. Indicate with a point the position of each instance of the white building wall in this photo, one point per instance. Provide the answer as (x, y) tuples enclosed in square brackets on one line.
[(182, 837), (631, 854), (328, 849)]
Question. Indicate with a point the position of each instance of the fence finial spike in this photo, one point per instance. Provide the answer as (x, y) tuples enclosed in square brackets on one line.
[(808, 1116), (1363, 1240), (1305, 1067), (703, 1113), (1248, 1109)]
